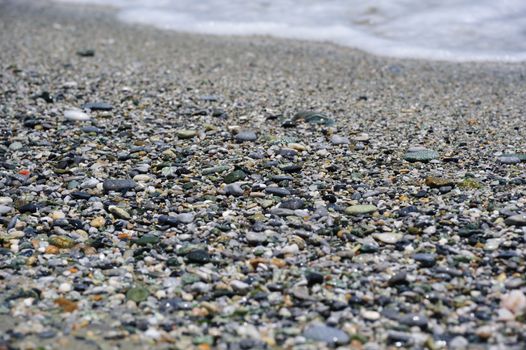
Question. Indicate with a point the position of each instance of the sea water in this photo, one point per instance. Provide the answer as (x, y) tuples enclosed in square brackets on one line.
[(455, 30)]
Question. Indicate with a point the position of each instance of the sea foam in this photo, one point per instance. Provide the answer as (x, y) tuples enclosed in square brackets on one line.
[(454, 30)]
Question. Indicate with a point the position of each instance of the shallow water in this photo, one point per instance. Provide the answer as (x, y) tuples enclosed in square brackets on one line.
[(456, 30)]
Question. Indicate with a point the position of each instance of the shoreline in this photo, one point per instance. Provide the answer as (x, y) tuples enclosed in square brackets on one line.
[(207, 189)]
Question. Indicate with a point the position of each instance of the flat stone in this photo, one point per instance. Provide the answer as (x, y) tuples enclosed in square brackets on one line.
[(118, 185), (246, 135), (234, 189), (509, 159), (119, 212), (425, 259), (293, 204), (315, 118), (185, 218), (437, 182), (147, 239), (322, 333), (61, 241), (421, 155), (137, 294), (339, 140), (388, 237), (4, 209), (360, 209), (198, 256), (516, 220), (186, 134), (76, 115), (277, 191), (234, 176), (98, 106), (412, 320)]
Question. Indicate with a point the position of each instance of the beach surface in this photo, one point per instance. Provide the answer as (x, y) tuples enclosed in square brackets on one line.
[(251, 192)]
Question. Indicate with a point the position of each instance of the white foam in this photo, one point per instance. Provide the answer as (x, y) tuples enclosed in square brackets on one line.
[(455, 30)]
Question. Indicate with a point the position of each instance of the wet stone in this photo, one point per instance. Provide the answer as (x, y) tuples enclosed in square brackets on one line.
[(412, 320)]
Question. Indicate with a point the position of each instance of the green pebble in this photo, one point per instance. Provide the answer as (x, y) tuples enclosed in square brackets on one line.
[(61, 241), (234, 176), (137, 294), (147, 239)]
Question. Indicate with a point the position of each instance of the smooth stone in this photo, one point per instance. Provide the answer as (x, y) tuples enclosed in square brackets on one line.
[(142, 178), (91, 129), (315, 118), (29, 208), (147, 239), (291, 168), (234, 176), (436, 182), (492, 244), (168, 220), (119, 212), (421, 155), (61, 241), (118, 185), (516, 220), (293, 204), (322, 333), (86, 53), (234, 189), (137, 294), (314, 278), (255, 238), (15, 146), (198, 256), (5, 200), (240, 286), (514, 301), (398, 279), (509, 159), (520, 156), (185, 218), (277, 191), (425, 259), (339, 140), (246, 135), (76, 115), (215, 170), (360, 209), (412, 320), (185, 134), (388, 238), (282, 212), (89, 183), (98, 106), (370, 315), (4, 209)]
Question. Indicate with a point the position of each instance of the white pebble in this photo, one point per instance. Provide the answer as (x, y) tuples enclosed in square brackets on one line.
[(76, 115)]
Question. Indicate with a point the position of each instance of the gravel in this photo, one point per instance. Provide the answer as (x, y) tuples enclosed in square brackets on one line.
[(235, 193)]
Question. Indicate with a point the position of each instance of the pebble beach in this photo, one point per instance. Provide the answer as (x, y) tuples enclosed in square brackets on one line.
[(163, 190)]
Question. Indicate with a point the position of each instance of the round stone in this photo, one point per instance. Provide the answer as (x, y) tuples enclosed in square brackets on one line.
[(137, 294), (198, 256), (388, 237), (185, 134)]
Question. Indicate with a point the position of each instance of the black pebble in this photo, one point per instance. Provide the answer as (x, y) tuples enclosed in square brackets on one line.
[(198, 256)]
